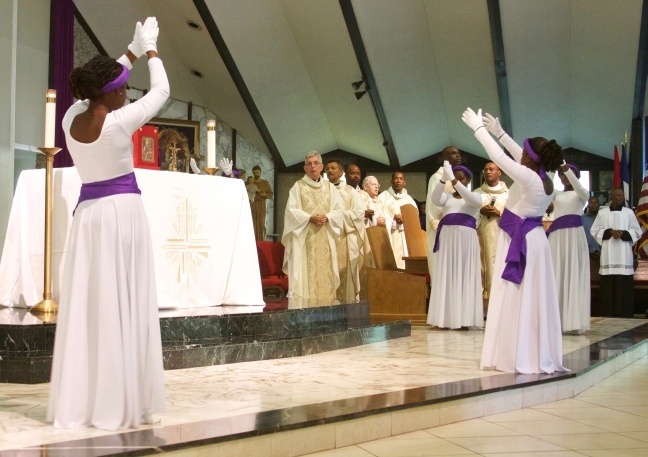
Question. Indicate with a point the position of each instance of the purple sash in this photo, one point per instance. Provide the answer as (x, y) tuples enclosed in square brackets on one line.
[(566, 221), (126, 184), (517, 228), (454, 219)]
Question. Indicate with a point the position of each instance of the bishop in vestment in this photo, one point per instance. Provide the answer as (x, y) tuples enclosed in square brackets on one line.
[(313, 221)]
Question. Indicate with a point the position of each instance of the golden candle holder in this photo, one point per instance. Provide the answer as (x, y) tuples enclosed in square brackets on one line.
[(48, 305), (211, 170)]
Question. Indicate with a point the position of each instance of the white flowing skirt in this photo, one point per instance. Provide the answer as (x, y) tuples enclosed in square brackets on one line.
[(570, 256), (456, 292), (107, 368), (523, 327)]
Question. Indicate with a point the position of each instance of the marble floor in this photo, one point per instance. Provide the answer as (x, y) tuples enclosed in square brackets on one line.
[(244, 395), (609, 419)]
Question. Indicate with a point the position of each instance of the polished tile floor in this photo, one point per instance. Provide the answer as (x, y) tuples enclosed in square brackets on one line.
[(612, 415), (609, 419)]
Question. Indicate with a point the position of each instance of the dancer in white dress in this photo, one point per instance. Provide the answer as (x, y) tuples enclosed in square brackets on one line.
[(107, 369), (569, 252), (523, 330), (456, 294)]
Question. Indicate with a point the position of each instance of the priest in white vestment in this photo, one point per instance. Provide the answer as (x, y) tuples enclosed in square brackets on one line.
[(351, 238), (616, 229), (433, 212), (494, 197), (393, 198), (313, 221), (376, 213)]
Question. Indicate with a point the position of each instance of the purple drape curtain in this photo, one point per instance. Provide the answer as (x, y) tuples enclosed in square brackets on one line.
[(61, 64)]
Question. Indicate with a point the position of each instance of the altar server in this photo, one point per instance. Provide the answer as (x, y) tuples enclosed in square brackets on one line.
[(616, 229), (523, 330), (107, 368)]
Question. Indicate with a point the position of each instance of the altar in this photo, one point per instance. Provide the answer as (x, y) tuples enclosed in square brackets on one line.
[(201, 228)]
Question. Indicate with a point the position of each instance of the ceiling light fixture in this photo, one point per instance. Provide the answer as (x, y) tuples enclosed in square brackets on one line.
[(194, 25), (359, 89), (196, 73)]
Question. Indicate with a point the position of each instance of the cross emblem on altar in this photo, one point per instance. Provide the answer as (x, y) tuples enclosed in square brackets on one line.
[(185, 249)]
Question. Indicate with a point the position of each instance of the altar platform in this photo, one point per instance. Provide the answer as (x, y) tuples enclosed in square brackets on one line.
[(207, 336), (388, 391)]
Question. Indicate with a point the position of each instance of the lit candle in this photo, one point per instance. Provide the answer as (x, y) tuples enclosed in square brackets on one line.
[(211, 143), (50, 117)]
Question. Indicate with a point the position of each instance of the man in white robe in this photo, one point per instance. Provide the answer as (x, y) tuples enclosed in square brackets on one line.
[(351, 239), (393, 198), (616, 229), (313, 221), (494, 197), (432, 211)]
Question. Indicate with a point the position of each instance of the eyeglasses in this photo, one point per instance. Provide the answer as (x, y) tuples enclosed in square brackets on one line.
[(313, 164)]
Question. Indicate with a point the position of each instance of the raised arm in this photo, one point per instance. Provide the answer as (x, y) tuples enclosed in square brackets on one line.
[(474, 199), (509, 166), (439, 197), (134, 115), (582, 193), (493, 125)]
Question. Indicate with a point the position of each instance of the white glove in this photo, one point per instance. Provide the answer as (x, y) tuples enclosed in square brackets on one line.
[(194, 167), (493, 125), (226, 166), (150, 33), (472, 119), (448, 174), (136, 46)]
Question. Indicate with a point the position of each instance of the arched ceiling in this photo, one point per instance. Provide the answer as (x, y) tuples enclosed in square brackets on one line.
[(280, 71)]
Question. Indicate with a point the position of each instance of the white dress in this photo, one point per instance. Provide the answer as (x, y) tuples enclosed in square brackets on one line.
[(456, 293), (523, 331), (570, 256), (107, 368)]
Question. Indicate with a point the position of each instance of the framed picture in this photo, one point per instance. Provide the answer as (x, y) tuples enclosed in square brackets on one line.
[(178, 142)]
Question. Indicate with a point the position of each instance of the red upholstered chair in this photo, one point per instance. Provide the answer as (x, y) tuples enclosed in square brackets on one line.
[(273, 279)]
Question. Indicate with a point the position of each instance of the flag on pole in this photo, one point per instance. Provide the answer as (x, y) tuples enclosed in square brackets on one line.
[(625, 175), (641, 247), (616, 181)]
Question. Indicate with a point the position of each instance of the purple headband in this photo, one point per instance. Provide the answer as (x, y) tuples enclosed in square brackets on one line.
[(464, 169), (118, 82), (535, 157), (574, 168)]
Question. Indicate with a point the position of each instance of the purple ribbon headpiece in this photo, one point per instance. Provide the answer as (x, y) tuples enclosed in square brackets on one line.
[(535, 157), (574, 168), (118, 82), (464, 169)]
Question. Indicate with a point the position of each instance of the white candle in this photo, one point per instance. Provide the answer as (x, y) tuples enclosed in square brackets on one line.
[(211, 143), (50, 117)]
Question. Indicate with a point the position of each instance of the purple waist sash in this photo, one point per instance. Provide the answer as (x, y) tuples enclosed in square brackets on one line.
[(454, 219), (566, 221), (126, 184), (517, 228)]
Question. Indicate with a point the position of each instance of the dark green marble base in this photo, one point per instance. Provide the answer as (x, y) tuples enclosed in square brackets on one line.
[(212, 338)]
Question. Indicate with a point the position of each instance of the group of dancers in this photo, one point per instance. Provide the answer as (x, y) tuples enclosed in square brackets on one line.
[(107, 366)]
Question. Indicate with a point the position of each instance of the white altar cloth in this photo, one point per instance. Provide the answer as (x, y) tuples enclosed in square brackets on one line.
[(201, 228)]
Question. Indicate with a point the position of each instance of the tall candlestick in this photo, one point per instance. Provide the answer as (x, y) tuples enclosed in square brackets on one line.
[(50, 117), (211, 143)]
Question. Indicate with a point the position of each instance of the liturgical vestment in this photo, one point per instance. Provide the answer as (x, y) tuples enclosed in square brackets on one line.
[(393, 202), (310, 259)]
